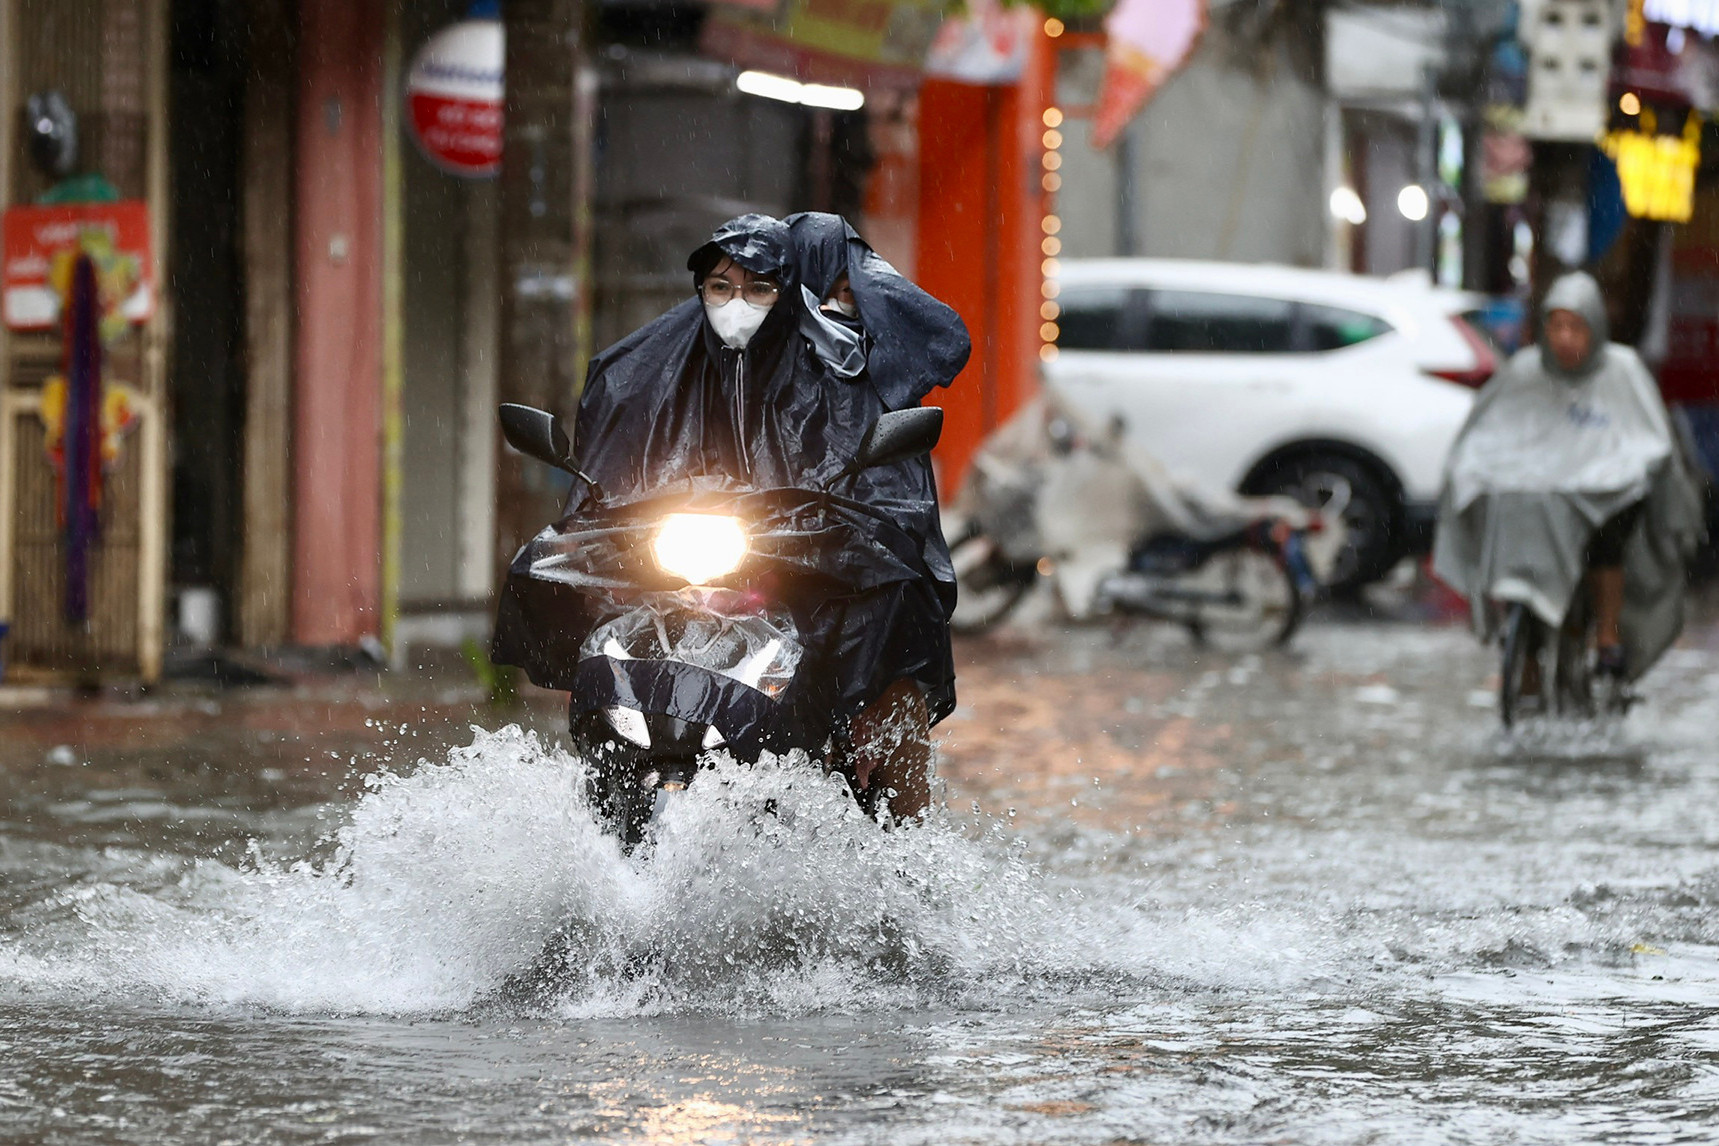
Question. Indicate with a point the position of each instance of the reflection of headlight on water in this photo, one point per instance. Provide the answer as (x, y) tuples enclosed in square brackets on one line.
[(699, 546)]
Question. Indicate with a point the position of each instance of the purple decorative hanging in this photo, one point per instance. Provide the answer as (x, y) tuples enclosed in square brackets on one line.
[(80, 512)]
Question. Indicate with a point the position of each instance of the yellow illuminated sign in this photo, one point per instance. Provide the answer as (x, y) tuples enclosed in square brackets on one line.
[(1657, 171)]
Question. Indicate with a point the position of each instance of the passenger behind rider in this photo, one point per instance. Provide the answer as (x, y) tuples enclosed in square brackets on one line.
[(881, 343), (891, 736)]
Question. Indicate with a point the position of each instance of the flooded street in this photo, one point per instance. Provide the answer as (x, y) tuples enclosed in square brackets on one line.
[(1312, 897)]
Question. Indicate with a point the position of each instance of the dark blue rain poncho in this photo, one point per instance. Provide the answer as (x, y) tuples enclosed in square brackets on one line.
[(902, 345), (670, 408)]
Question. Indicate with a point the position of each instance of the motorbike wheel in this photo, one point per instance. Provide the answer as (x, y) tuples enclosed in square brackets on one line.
[(1350, 490), (987, 587), (623, 784), (1267, 605), (1520, 645)]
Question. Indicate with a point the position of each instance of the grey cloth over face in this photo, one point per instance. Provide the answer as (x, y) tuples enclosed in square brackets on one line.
[(1546, 457), (838, 345)]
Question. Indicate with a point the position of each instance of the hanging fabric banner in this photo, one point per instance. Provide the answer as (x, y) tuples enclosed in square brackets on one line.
[(80, 441), (1147, 40), (84, 413)]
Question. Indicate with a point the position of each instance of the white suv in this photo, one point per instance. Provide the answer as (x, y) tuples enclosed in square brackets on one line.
[(1337, 389)]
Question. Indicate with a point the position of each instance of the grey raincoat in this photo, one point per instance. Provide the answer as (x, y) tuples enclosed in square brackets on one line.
[(1546, 457)]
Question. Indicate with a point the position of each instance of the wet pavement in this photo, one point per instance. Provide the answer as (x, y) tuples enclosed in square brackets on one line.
[(1307, 897)]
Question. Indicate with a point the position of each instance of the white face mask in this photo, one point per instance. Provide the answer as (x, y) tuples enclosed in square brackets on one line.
[(849, 309), (735, 321)]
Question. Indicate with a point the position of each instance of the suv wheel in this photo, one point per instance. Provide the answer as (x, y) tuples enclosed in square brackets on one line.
[(1354, 491)]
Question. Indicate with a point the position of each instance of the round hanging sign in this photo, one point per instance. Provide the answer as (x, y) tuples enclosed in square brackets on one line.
[(453, 98)]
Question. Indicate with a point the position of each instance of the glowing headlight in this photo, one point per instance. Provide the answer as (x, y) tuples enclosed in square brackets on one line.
[(699, 546)]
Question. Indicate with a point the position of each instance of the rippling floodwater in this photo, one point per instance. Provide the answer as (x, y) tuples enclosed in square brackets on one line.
[(1308, 899)]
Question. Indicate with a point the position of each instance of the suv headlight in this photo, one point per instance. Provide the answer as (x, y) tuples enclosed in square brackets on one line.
[(699, 546)]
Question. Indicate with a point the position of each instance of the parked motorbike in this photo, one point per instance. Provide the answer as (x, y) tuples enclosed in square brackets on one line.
[(692, 621), (1067, 505)]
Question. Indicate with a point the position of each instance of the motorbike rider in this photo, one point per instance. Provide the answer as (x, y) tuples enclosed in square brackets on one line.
[(724, 393), (685, 397), (1568, 467), (881, 343)]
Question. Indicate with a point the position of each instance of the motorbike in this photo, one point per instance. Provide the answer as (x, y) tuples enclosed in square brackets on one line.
[(701, 620), (1234, 572)]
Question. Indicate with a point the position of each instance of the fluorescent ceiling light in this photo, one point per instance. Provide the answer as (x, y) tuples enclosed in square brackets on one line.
[(836, 99), (771, 86)]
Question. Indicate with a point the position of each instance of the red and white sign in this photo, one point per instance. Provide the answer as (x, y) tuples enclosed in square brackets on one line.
[(34, 236), (453, 98)]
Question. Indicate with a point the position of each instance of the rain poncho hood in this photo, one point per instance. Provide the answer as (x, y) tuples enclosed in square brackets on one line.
[(1580, 295), (757, 242), (669, 410), (1546, 457), (903, 345), (917, 343)]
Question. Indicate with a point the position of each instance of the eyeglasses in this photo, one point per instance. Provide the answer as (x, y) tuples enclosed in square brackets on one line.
[(758, 292)]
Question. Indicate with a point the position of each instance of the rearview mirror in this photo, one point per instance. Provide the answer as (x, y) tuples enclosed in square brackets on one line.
[(899, 435), (536, 434)]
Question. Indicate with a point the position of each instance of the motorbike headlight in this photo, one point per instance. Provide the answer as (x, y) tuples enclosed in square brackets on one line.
[(699, 546)]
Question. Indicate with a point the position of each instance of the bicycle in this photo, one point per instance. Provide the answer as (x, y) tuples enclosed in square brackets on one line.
[(1569, 688)]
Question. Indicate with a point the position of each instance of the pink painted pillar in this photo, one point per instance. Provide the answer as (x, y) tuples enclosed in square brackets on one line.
[(337, 447)]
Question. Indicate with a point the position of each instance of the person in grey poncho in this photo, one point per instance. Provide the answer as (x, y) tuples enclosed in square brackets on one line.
[(1568, 465)]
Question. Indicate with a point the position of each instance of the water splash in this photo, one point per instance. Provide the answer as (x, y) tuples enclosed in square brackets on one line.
[(438, 877), (485, 878), (1597, 739)]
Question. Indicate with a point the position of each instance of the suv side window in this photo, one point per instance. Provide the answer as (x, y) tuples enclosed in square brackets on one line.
[(1094, 318), (1201, 322), (1333, 328)]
